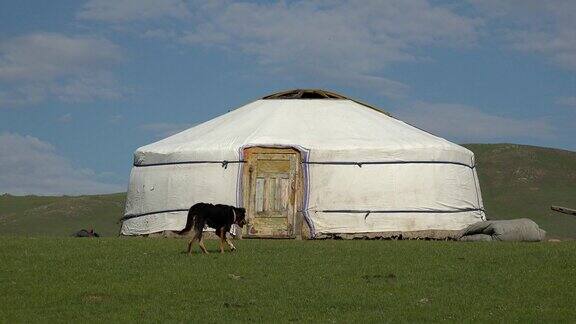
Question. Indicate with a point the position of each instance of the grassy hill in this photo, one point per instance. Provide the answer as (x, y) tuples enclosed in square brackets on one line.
[(517, 181), (524, 181), (60, 216)]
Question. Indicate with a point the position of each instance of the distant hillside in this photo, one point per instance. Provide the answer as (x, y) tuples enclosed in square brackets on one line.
[(516, 180), (61, 216), (523, 181)]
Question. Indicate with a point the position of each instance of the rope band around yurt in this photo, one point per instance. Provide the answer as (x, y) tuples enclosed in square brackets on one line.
[(337, 211), (225, 163)]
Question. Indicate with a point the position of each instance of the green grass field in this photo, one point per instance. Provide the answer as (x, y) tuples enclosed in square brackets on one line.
[(151, 280), (516, 180)]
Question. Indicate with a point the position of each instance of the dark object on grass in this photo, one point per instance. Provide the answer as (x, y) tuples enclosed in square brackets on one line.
[(564, 210), (219, 217), (85, 233), (518, 230)]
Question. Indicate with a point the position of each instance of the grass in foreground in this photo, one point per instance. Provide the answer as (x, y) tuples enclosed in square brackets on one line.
[(66, 279)]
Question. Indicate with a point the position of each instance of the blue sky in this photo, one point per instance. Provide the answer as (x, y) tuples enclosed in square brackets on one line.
[(85, 83)]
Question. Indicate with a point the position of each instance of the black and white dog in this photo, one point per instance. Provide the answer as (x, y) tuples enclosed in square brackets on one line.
[(220, 217)]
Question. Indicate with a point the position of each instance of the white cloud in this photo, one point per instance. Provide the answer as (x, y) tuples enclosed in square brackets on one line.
[(162, 34), (128, 10), (41, 66), (65, 119), (45, 56), (116, 118), (162, 130), (533, 26), (348, 42), (21, 95), (559, 46), (464, 123), (566, 101), (31, 166), (381, 85), (345, 42), (88, 88)]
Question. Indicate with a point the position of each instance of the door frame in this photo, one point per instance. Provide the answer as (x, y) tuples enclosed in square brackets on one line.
[(296, 220)]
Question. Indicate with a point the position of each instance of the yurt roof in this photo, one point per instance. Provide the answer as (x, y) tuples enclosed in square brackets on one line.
[(328, 124)]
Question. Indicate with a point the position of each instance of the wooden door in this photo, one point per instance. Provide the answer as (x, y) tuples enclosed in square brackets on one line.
[(272, 186)]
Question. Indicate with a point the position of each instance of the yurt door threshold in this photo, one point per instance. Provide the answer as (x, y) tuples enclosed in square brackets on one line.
[(272, 185)]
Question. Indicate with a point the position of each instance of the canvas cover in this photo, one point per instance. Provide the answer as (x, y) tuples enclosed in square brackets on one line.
[(514, 230), (364, 171)]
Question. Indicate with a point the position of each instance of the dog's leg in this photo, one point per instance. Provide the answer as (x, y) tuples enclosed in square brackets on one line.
[(201, 243), (190, 245), (191, 242), (232, 247), (222, 235)]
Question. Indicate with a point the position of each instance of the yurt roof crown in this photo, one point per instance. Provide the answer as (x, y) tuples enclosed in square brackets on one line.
[(316, 94)]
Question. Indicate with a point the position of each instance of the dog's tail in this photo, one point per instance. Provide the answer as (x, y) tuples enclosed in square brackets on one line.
[(189, 220)]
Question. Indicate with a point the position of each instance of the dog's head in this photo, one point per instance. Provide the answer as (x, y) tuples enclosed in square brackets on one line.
[(240, 216)]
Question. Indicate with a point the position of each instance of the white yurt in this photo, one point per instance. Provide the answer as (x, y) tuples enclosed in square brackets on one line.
[(306, 163)]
